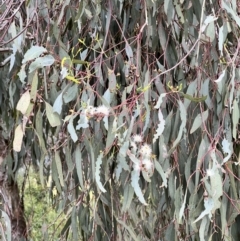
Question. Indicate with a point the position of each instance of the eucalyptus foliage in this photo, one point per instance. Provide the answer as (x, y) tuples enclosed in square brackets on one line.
[(131, 110)]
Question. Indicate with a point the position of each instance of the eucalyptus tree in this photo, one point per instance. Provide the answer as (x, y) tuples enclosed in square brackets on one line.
[(129, 110)]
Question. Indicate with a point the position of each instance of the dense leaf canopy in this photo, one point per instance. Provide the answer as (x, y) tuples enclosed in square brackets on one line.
[(129, 111)]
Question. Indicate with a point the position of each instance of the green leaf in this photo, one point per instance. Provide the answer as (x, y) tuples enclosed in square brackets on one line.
[(209, 205), (202, 229), (62, 13), (217, 188), (160, 127), (74, 225), (22, 74), (169, 10), (161, 172), (129, 51), (18, 138), (201, 153), (83, 121), (221, 76), (226, 149), (24, 102), (90, 151), (53, 118), (147, 116), (223, 31), (121, 157), (183, 115), (33, 52), (231, 12), (134, 182), (127, 197), (78, 61), (41, 62), (110, 136), (72, 130), (59, 168), (39, 130), (181, 212), (160, 100), (199, 120), (78, 160), (33, 93), (57, 106), (132, 233), (97, 172), (7, 225), (112, 82), (55, 176), (195, 99), (70, 94), (235, 118)]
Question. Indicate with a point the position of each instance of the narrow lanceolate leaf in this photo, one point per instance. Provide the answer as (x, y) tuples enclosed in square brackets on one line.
[(160, 127), (199, 120), (223, 31), (183, 115), (161, 172), (71, 129), (134, 182), (39, 130), (129, 51), (33, 52), (181, 212), (59, 168), (168, 9), (127, 197), (78, 161), (217, 188), (121, 157), (202, 229), (235, 116), (194, 99), (18, 137), (97, 173), (24, 102), (53, 118), (22, 74)]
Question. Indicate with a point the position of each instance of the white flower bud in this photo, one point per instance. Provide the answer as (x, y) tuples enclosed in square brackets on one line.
[(146, 150)]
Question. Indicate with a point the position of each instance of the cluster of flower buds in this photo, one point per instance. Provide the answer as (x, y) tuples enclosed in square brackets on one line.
[(98, 113), (143, 152)]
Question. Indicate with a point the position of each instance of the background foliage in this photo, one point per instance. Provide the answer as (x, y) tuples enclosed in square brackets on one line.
[(79, 81)]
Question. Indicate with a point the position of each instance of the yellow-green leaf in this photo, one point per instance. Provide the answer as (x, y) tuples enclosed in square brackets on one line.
[(18, 137), (24, 102), (53, 117), (195, 99)]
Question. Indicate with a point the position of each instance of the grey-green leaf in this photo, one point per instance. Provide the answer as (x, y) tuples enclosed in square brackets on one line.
[(33, 52), (41, 62), (199, 120)]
